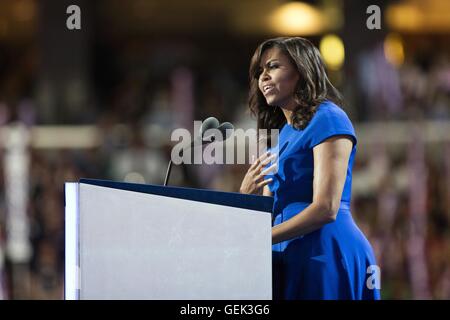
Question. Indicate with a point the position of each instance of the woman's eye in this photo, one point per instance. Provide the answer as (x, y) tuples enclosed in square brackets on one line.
[(260, 71)]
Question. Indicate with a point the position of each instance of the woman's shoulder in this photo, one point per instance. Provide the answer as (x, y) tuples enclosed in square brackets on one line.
[(329, 120), (329, 112), (329, 108)]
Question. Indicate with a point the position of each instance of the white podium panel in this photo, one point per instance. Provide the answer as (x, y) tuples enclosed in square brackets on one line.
[(131, 245)]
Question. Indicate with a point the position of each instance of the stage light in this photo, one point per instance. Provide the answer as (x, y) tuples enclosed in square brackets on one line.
[(333, 51), (419, 16), (297, 18), (393, 49), (24, 10), (404, 17)]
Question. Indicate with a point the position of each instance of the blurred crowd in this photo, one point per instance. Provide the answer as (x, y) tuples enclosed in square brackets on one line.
[(135, 112)]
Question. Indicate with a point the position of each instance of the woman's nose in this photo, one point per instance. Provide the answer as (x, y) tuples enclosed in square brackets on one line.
[(264, 75)]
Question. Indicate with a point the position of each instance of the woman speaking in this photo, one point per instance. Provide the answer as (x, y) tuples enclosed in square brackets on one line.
[(318, 250)]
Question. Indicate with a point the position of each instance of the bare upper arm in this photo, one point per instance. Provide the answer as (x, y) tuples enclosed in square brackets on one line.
[(331, 159)]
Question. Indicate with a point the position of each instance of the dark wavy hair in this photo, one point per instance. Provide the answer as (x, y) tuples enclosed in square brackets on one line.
[(312, 89)]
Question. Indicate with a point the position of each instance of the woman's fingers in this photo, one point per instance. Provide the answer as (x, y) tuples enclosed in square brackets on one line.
[(267, 161), (254, 164), (269, 170), (265, 155), (263, 183), (262, 161), (254, 179), (261, 158), (257, 177)]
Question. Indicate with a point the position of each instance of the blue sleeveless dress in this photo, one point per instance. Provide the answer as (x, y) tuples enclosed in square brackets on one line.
[(335, 261)]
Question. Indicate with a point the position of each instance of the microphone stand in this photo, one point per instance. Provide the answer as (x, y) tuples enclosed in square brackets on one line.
[(169, 167)]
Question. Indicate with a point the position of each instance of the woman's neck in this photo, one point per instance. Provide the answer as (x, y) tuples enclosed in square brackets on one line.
[(287, 115), (288, 110)]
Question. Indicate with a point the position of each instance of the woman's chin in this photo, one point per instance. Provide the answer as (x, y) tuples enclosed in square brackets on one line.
[(271, 102), (282, 103)]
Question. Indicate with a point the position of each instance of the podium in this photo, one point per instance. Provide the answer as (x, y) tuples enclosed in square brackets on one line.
[(135, 241)]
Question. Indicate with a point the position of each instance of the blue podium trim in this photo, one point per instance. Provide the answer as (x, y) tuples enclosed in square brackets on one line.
[(233, 199)]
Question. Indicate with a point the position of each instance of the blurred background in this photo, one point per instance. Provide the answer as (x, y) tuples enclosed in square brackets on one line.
[(101, 102)]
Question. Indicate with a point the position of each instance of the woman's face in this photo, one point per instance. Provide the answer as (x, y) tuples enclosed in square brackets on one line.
[(278, 79)]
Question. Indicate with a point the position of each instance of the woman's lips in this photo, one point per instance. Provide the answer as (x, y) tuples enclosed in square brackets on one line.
[(268, 89)]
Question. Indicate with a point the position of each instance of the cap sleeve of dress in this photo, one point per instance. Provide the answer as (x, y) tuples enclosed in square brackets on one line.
[(328, 121)]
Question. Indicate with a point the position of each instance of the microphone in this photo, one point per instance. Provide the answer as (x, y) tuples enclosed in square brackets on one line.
[(209, 123), (226, 130)]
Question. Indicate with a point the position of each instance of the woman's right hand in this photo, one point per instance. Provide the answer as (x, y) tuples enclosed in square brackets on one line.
[(254, 181)]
